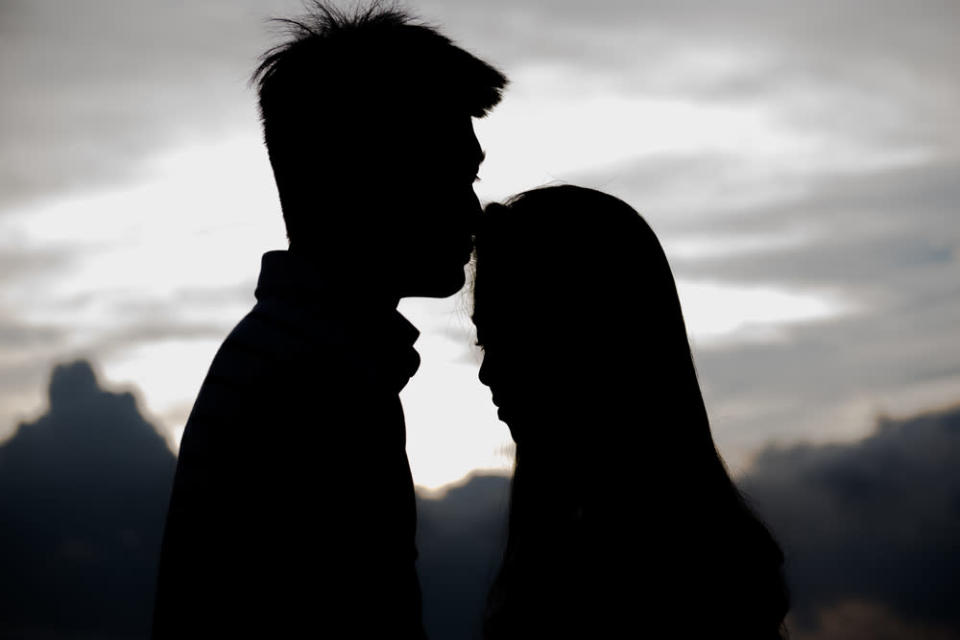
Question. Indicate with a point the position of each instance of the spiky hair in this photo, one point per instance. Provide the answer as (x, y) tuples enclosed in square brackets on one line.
[(376, 58)]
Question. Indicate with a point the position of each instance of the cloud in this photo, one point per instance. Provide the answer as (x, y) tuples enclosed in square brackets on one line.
[(828, 381), (185, 314), (864, 620), (875, 521), (83, 495), (864, 225), (869, 530), (27, 351), (881, 239), (18, 264), (460, 536), (884, 55), (92, 90), (112, 327), (16, 334), (869, 527)]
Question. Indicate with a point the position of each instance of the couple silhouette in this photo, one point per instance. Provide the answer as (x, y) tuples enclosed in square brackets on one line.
[(293, 511)]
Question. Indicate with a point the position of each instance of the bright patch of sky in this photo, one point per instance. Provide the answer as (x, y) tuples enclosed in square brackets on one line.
[(718, 312)]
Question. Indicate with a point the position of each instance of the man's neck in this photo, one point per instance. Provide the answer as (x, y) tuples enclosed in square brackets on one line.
[(360, 282)]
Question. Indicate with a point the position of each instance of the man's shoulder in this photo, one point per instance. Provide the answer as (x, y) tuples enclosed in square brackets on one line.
[(276, 338), (265, 367)]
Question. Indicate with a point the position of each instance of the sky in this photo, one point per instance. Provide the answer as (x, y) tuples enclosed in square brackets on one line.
[(798, 161)]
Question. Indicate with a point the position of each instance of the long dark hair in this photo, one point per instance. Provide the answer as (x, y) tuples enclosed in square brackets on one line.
[(618, 488)]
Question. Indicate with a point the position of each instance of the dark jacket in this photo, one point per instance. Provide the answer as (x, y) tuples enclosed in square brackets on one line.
[(293, 509)]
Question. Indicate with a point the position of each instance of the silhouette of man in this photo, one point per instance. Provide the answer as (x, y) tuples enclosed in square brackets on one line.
[(293, 508)]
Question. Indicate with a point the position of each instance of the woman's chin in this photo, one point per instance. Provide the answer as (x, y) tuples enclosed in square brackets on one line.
[(507, 418)]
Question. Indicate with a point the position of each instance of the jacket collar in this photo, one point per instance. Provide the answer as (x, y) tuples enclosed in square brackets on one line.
[(378, 334)]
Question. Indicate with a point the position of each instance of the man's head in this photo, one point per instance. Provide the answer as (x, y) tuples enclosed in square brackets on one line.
[(368, 122)]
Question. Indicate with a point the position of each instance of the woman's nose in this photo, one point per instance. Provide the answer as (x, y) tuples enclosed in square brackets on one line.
[(485, 367)]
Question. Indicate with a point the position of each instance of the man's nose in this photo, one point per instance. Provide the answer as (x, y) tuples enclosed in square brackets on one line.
[(474, 145)]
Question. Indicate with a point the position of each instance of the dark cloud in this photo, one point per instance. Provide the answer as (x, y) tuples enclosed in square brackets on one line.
[(460, 537), (869, 529), (876, 520), (828, 380), (83, 494), (868, 224), (27, 351), (101, 325), (864, 620)]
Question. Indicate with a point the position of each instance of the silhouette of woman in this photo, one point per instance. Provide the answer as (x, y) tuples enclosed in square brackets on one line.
[(623, 520)]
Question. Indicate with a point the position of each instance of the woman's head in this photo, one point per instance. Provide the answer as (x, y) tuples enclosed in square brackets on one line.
[(587, 357), (573, 302)]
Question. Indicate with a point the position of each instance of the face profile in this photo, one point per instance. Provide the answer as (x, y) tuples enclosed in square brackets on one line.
[(542, 300), (514, 355), (368, 122), (435, 207)]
